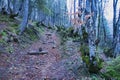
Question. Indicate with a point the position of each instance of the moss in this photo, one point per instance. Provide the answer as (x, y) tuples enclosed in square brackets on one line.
[(84, 35), (31, 34), (3, 38), (84, 50), (66, 33), (60, 28), (71, 33), (70, 30), (86, 60), (5, 18), (94, 65)]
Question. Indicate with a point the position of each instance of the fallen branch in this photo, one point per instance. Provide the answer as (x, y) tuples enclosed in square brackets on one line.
[(37, 52)]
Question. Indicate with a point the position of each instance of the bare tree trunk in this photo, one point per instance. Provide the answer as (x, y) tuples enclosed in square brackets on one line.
[(117, 38), (114, 17), (23, 25), (114, 27), (74, 7)]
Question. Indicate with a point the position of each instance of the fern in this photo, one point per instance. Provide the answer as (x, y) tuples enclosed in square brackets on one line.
[(113, 69)]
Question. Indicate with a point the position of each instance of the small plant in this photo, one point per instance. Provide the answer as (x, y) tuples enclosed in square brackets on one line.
[(94, 77), (4, 37)]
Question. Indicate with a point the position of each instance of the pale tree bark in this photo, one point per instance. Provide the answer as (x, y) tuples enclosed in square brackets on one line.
[(91, 28), (24, 22)]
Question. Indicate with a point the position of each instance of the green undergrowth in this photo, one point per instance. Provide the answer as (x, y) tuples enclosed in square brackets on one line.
[(94, 65), (112, 69), (67, 33), (108, 51), (32, 34), (9, 34), (7, 40)]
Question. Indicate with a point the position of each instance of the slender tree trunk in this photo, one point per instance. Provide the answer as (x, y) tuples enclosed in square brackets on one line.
[(114, 28), (74, 7), (114, 17), (117, 38)]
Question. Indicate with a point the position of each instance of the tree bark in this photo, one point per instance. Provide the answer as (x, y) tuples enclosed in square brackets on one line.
[(114, 17), (115, 28), (24, 23), (117, 38)]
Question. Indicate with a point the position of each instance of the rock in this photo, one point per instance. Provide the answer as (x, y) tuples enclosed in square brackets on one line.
[(54, 46), (40, 49)]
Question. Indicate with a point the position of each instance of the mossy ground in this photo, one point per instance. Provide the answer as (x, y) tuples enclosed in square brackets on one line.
[(9, 29)]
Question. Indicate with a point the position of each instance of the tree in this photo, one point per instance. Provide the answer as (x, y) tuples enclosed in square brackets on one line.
[(115, 29), (117, 38), (115, 2), (23, 25)]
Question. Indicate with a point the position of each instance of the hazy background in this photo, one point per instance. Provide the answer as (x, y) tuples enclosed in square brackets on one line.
[(109, 13)]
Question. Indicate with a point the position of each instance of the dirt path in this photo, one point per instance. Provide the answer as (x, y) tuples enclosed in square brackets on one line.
[(49, 66)]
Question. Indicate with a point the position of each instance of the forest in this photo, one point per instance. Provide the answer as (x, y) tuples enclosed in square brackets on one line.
[(59, 39)]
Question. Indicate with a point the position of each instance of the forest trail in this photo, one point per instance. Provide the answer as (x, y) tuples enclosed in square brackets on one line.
[(54, 65)]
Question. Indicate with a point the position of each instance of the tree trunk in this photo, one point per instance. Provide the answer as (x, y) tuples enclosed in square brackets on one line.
[(23, 24), (115, 29), (74, 7), (114, 17), (117, 38)]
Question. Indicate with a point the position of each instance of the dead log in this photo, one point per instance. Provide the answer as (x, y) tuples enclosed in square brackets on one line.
[(37, 52)]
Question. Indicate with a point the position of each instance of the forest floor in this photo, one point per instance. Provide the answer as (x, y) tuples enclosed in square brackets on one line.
[(61, 62)]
